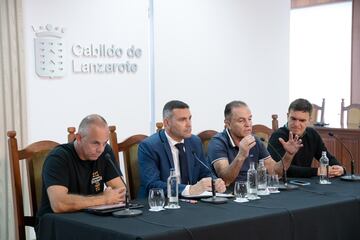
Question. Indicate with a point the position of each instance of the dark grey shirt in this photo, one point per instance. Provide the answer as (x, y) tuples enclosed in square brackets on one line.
[(222, 146)]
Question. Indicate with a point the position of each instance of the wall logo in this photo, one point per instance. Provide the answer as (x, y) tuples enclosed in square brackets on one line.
[(49, 51)]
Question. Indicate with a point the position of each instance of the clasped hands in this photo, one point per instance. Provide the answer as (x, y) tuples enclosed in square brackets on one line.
[(113, 196), (334, 171)]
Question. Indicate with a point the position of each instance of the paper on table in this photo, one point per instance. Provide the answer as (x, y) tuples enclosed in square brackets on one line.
[(209, 194), (107, 206)]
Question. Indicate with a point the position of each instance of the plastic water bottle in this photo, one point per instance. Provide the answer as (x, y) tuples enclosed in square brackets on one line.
[(252, 182), (262, 179), (324, 169), (173, 190)]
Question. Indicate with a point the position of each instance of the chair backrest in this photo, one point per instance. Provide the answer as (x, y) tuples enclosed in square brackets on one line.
[(265, 132), (274, 122), (315, 113), (262, 131), (159, 126), (205, 137), (352, 117), (34, 156), (71, 134), (129, 149)]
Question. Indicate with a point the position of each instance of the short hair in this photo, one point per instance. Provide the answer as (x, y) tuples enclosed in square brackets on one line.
[(89, 120), (171, 105), (231, 105), (302, 105)]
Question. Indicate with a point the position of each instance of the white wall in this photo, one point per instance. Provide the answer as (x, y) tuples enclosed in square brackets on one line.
[(207, 53), (210, 52), (55, 104)]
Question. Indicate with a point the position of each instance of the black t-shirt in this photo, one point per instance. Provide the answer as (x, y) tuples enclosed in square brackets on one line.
[(313, 145), (64, 167)]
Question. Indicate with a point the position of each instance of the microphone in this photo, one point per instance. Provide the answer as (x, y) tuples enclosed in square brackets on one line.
[(286, 186), (127, 212), (352, 176), (214, 199)]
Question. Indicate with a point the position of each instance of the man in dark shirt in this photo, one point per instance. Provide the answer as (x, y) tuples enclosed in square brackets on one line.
[(231, 151), (298, 120), (74, 174)]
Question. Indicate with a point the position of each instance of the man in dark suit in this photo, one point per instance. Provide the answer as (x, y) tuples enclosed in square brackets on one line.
[(175, 148)]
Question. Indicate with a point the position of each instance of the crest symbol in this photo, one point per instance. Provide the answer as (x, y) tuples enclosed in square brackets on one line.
[(49, 52)]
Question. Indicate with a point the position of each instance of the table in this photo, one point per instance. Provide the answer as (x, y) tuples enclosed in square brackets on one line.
[(311, 212)]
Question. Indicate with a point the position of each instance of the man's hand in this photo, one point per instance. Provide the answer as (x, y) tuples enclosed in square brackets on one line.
[(245, 145), (201, 186), (292, 145), (113, 196), (220, 185), (205, 185), (335, 171)]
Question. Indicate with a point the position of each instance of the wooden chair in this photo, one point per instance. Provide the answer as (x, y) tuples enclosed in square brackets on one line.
[(352, 117), (262, 131), (71, 134), (205, 137), (315, 113), (265, 132), (274, 122), (34, 156), (129, 148), (159, 126)]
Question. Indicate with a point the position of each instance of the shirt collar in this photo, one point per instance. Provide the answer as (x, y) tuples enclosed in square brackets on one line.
[(287, 127), (231, 140), (171, 141)]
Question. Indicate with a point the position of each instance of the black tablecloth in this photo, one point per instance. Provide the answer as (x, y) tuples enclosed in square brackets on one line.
[(310, 212)]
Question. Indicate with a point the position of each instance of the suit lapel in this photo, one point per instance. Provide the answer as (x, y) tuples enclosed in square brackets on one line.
[(190, 161), (167, 148)]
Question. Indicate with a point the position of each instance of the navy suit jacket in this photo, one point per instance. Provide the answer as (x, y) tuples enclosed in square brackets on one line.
[(155, 160)]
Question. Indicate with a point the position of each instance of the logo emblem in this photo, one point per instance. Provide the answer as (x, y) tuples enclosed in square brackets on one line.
[(49, 52)]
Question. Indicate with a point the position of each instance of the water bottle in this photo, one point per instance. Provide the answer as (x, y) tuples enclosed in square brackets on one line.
[(262, 179), (173, 190), (252, 182), (324, 169)]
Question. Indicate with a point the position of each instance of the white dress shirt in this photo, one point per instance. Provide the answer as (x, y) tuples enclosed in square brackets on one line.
[(175, 155)]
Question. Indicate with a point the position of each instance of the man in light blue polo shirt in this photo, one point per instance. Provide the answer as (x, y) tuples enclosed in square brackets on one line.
[(231, 151)]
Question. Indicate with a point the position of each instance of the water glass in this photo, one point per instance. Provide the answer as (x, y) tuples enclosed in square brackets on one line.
[(240, 191), (273, 183), (156, 199)]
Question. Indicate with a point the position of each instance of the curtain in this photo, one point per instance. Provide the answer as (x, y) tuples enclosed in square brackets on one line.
[(12, 103)]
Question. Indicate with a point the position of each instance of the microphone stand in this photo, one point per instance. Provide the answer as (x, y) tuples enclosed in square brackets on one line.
[(213, 199), (352, 177), (127, 212), (286, 185)]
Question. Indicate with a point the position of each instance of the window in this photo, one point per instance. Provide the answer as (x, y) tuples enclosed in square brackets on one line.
[(320, 56)]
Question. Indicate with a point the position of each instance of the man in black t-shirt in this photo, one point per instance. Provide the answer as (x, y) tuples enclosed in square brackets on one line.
[(298, 120), (74, 174)]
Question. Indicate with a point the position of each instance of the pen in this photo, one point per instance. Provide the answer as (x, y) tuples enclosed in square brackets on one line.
[(192, 201)]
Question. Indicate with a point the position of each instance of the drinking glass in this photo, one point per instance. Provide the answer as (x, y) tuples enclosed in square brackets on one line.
[(273, 183), (156, 199), (240, 191)]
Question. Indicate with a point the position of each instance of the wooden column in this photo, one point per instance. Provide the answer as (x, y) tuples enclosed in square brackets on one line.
[(355, 53)]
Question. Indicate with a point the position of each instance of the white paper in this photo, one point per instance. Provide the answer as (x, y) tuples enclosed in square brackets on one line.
[(209, 194)]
